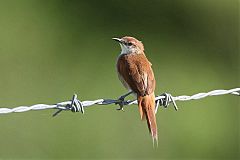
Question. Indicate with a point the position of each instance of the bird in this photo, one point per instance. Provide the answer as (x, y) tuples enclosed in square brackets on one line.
[(136, 74)]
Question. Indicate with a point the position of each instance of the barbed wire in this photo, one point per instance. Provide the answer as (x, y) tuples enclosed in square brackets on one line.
[(76, 105)]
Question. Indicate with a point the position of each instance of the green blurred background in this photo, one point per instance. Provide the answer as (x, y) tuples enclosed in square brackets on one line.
[(50, 49)]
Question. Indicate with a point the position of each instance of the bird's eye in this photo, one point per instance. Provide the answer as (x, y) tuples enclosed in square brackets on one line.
[(129, 43)]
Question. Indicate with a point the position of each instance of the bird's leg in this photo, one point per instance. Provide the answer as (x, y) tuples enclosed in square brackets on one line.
[(124, 96), (121, 100)]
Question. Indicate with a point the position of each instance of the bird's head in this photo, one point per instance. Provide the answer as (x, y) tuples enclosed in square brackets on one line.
[(130, 45)]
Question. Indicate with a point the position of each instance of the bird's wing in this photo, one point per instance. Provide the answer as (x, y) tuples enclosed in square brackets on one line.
[(137, 72)]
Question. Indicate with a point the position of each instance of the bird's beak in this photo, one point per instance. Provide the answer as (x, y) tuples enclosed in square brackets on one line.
[(117, 39)]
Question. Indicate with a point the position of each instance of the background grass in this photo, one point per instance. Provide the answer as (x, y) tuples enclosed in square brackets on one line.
[(50, 49)]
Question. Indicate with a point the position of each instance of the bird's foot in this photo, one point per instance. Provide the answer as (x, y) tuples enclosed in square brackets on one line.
[(121, 101)]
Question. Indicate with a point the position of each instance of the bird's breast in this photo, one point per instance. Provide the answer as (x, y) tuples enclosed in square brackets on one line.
[(120, 66)]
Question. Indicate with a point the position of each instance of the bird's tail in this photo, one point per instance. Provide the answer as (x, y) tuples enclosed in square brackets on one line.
[(146, 106)]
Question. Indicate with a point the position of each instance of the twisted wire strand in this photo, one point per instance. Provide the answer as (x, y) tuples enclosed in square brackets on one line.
[(76, 105)]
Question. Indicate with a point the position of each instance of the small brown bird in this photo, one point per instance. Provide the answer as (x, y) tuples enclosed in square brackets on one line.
[(136, 74)]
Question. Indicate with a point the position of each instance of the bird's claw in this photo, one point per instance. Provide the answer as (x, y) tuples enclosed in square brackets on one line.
[(120, 108), (120, 102)]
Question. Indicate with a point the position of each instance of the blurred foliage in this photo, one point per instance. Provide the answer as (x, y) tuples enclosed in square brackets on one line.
[(50, 49)]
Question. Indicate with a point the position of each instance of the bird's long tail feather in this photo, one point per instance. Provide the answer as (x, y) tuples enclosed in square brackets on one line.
[(147, 111)]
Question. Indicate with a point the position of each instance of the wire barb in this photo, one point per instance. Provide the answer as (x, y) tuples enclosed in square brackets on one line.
[(165, 101), (76, 105)]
